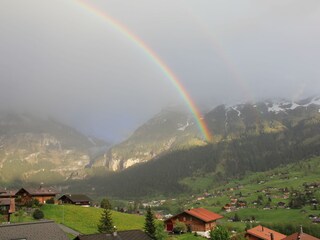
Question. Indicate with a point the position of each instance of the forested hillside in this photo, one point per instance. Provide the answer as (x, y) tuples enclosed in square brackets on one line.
[(299, 139)]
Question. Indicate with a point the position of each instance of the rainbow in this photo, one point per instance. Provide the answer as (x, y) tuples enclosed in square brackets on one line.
[(157, 60)]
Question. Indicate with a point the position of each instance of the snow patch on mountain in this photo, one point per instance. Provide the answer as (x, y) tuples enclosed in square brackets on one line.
[(276, 107), (183, 127), (283, 106)]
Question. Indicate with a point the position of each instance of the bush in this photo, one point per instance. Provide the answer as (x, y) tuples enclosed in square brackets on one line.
[(180, 227), (50, 201), (219, 233), (38, 214), (236, 218), (36, 202), (32, 203), (160, 233)]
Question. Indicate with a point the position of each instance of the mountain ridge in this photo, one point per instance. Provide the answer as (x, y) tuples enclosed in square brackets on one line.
[(33, 149), (171, 130), (167, 149)]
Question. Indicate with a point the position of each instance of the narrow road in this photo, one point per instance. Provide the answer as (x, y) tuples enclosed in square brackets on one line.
[(68, 230)]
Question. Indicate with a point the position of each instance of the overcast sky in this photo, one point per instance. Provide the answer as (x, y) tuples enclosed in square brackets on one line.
[(59, 58)]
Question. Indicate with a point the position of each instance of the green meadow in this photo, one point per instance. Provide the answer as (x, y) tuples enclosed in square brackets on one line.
[(86, 219)]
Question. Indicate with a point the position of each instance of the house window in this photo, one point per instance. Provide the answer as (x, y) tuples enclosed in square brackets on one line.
[(190, 219), (184, 219)]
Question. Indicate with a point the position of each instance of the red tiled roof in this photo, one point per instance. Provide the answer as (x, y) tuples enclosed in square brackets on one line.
[(204, 214), (301, 236), (265, 233)]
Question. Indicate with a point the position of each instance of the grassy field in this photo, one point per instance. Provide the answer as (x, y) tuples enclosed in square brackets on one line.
[(186, 236), (85, 219)]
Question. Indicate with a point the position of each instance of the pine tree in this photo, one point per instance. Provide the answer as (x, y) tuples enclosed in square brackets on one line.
[(106, 223), (105, 203), (149, 225)]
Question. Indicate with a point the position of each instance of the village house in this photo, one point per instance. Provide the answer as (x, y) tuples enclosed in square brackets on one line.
[(262, 233), (7, 207), (197, 220), (120, 235), (228, 207), (42, 194), (241, 204), (76, 199), (300, 236), (48, 230)]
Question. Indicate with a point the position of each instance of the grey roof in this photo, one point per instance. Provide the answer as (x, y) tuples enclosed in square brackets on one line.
[(8, 193), (32, 231), (77, 197), (41, 191), (121, 235), (4, 201)]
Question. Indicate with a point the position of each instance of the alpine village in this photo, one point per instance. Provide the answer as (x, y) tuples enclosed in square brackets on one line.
[(160, 119), (259, 181)]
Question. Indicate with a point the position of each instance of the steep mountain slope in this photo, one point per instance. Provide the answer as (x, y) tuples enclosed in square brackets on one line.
[(247, 137), (172, 130), (167, 131), (37, 150)]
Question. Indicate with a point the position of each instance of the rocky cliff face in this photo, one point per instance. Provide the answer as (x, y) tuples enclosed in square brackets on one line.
[(168, 130)]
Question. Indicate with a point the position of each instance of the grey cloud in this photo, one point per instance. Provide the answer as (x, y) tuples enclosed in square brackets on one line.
[(61, 59)]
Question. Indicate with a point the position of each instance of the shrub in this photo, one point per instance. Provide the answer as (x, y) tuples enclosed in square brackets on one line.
[(180, 227), (37, 214), (219, 233), (50, 201)]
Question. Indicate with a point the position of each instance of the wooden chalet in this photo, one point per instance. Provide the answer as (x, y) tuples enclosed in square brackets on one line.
[(197, 220), (7, 207), (42, 194), (121, 235), (76, 199), (262, 233)]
